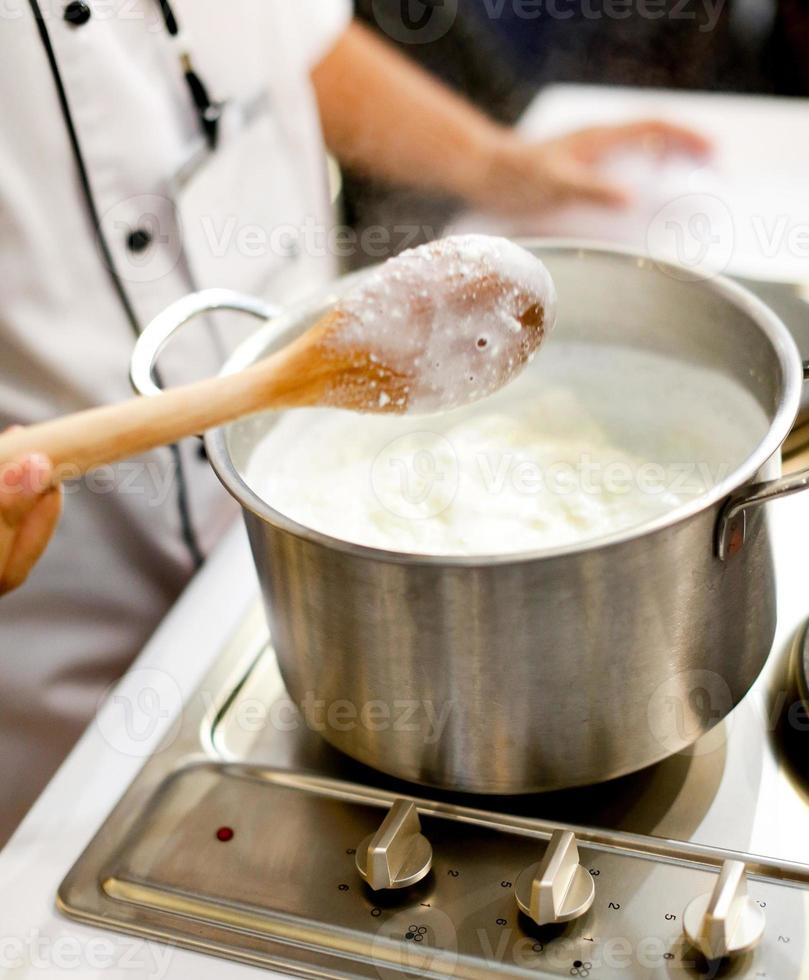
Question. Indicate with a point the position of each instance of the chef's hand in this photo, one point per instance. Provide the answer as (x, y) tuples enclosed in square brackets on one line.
[(385, 116), (524, 178), (29, 512)]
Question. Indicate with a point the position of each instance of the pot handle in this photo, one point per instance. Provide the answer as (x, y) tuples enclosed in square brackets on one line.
[(731, 530), (157, 334)]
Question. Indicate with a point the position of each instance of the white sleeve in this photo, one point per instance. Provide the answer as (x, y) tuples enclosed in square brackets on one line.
[(319, 23)]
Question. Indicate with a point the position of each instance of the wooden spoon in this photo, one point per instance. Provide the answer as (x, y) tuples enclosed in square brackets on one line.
[(431, 329)]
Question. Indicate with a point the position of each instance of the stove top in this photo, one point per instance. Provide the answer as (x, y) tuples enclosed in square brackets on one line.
[(246, 836)]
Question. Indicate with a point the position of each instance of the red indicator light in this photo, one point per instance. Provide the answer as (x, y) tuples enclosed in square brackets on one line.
[(224, 834)]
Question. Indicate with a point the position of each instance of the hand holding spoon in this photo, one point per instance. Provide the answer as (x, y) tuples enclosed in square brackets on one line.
[(431, 329)]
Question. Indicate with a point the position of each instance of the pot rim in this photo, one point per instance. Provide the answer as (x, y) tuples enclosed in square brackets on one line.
[(772, 326)]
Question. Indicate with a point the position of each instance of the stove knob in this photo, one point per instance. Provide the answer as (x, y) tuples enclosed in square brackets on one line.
[(398, 854), (724, 922), (557, 888)]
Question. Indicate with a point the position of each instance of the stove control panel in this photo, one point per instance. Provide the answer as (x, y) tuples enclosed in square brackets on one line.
[(362, 885), (725, 922), (398, 854), (557, 888)]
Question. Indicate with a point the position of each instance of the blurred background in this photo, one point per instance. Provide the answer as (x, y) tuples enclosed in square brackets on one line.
[(503, 53)]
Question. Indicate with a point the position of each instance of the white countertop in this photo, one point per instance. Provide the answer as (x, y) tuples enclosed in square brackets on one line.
[(35, 940)]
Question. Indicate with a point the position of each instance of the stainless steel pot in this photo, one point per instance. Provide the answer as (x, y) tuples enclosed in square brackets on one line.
[(537, 671), (790, 301)]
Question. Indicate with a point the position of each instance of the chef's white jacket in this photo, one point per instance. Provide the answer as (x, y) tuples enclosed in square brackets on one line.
[(227, 218)]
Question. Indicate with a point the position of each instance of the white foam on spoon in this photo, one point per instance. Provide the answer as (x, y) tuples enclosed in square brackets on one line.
[(447, 315)]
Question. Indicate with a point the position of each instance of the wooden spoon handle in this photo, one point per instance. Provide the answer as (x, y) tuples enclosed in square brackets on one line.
[(294, 376), (79, 442)]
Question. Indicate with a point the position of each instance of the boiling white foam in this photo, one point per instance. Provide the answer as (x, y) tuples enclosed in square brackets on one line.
[(447, 316), (590, 441)]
